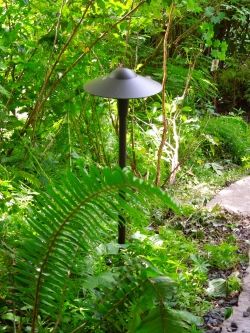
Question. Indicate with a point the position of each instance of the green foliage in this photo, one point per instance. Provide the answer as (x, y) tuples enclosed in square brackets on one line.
[(218, 288), (177, 257), (139, 298), (231, 135), (70, 220), (222, 256), (234, 86), (233, 284), (46, 58), (61, 265), (160, 320)]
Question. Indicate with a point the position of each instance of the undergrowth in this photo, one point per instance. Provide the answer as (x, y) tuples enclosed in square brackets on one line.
[(73, 281), (231, 135)]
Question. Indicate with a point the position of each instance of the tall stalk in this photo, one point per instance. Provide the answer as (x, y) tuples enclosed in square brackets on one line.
[(164, 80), (42, 93)]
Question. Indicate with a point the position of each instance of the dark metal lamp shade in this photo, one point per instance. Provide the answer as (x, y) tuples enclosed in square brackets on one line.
[(123, 83)]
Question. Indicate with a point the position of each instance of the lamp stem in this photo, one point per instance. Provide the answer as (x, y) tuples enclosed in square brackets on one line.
[(122, 113)]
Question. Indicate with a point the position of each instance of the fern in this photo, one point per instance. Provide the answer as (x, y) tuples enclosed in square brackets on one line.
[(164, 320), (28, 177), (135, 298), (233, 135), (69, 219)]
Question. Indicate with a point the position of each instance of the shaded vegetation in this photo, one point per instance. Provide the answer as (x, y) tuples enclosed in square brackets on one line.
[(60, 267)]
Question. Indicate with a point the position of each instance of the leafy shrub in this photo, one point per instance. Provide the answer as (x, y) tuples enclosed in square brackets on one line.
[(234, 83), (233, 284), (222, 288), (54, 281), (177, 257), (231, 135), (135, 297), (222, 256)]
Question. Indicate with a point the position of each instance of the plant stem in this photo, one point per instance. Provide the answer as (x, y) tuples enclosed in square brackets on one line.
[(41, 95), (164, 80)]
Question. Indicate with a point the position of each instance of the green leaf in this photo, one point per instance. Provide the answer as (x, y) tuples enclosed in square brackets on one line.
[(11, 316), (209, 11), (193, 6), (77, 214), (4, 92), (163, 320), (217, 288), (166, 3), (187, 109), (228, 312), (164, 285)]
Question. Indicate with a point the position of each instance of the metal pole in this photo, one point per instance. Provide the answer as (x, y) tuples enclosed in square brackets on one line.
[(122, 113)]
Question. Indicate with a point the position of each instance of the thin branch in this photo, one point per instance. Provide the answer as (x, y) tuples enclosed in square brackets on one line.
[(164, 80), (134, 162), (175, 160), (113, 120), (128, 34), (58, 23), (136, 49), (156, 50), (187, 32), (20, 76), (194, 27), (88, 49), (41, 98)]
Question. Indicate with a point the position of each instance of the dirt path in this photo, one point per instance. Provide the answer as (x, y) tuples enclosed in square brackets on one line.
[(236, 199)]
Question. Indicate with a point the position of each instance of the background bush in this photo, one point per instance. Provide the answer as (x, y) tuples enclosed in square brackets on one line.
[(231, 138)]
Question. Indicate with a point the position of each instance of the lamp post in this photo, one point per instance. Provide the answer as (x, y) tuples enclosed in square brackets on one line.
[(123, 84)]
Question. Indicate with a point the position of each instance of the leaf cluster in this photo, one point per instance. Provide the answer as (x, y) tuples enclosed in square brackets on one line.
[(68, 222)]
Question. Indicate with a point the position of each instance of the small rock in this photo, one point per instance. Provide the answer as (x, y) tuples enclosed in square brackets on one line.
[(218, 316), (218, 330), (221, 302), (248, 309), (233, 301), (215, 330), (234, 326), (246, 314), (212, 322)]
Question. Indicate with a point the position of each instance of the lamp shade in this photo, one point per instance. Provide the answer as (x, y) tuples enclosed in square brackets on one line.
[(123, 83)]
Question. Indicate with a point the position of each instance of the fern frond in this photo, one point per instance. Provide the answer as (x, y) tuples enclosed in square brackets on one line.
[(73, 218), (30, 178), (140, 293)]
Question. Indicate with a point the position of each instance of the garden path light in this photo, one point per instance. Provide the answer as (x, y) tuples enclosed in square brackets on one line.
[(123, 84)]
